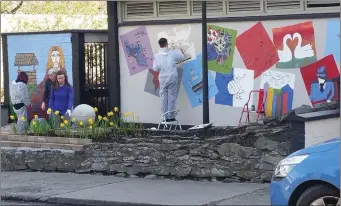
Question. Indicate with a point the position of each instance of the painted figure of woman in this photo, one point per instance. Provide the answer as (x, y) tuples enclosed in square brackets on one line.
[(56, 60)]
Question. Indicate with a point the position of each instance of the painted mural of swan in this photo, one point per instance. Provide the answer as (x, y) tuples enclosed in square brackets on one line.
[(285, 55), (302, 51)]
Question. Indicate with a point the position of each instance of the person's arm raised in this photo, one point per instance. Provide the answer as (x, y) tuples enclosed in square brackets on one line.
[(178, 55)]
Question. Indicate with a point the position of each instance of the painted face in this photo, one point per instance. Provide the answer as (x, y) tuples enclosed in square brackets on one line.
[(61, 79), (55, 56), (321, 81), (52, 77)]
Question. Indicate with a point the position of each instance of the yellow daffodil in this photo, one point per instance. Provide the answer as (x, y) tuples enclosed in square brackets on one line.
[(90, 127), (110, 114), (22, 118), (127, 114), (34, 123), (100, 117), (116, 109), (49, 111), (62, 125), (36, 116), (91, 121), (12, 117), (73, 119), (61, 117), (81, 123), (66, 122), (95, 109), (111, 124), (56, 112), (105, 118)]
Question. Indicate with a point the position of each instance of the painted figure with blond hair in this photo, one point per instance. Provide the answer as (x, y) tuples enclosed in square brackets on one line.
[(55, 63), (56, 60)]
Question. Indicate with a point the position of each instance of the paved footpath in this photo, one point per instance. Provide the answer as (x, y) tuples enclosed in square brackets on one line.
[(87, 189)]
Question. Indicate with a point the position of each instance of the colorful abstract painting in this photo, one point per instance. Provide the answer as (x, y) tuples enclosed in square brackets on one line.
[(192, 81), (295, 45), (152, 85), (278, 93), (37, 54), (256, 49), (234, 88), (318, 80), (137, 50), (221, 44), (332, 45), (179, 38)]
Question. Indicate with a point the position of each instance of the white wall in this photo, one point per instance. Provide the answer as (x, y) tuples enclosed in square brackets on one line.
[(321, 130), (147, 106)]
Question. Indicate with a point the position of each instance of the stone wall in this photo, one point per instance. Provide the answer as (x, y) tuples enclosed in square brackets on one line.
[(223, 154)]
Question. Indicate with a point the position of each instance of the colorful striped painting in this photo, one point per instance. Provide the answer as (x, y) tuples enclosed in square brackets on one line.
[(279, 101), (279, 90)]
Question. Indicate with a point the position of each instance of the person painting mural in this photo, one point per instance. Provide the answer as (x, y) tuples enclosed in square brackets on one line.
[(165, 63), (47, 88), (20, 100), (322, 90), (61, 97)]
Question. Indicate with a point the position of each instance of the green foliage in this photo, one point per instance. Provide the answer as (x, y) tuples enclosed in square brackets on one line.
[(57, 15), (91, 8), (95, 129), (10, 7)]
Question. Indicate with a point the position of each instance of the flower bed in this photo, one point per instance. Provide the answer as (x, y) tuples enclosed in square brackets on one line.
[(112, 124)]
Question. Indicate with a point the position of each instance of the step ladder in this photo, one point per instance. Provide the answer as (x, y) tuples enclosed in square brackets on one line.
[(260, 111), (166, 124)]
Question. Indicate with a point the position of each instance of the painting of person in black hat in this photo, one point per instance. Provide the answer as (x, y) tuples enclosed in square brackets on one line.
[(323, 89)]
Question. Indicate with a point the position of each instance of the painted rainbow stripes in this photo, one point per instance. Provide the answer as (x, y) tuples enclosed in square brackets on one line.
[(279, 101)]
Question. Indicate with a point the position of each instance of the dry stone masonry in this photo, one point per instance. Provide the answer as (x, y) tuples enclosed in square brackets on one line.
[(225, 154)]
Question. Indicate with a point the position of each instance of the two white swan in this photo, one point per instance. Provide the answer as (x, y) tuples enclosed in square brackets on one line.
[(285, 55), (300, 52)]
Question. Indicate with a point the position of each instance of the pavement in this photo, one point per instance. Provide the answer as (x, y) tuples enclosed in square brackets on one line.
[(88, 189)]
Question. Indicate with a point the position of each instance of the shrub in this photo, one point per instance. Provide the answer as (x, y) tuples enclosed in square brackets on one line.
[(101, 126)]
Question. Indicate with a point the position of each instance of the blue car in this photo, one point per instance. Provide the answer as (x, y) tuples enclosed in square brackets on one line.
[(310, 176)]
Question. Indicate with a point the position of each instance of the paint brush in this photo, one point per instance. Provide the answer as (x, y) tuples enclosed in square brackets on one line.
[(184, 60)]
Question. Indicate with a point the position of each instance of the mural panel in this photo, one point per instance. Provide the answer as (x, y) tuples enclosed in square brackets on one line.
[(332, 45), (179, 38), (256, 49), (152, 85), (137, 50), (295, 45), (192, 81), (318, 77), (36, 55), (279, 90), (234, 88), (221, 44)]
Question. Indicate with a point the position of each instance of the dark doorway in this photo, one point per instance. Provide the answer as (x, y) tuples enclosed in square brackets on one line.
[(96, 82)]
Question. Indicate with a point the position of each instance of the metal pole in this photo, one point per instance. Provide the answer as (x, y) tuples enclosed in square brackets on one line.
[(205, 104)]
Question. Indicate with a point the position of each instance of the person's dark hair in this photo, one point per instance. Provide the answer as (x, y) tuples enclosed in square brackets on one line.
[(22, 77), (163, 42), (56, 83)]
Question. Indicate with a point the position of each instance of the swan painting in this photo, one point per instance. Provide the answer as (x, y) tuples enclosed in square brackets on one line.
[(285, 55), (302, 52)]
